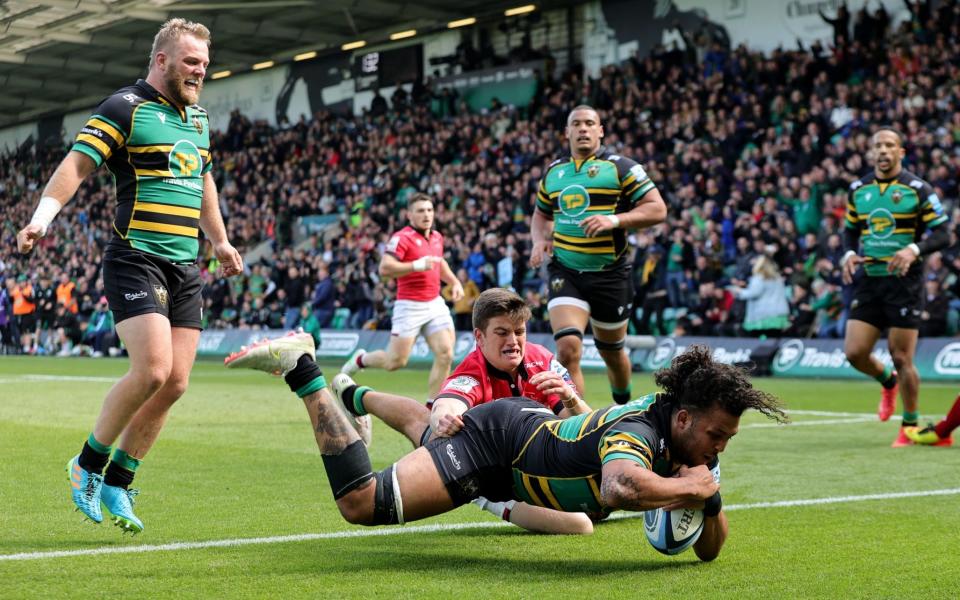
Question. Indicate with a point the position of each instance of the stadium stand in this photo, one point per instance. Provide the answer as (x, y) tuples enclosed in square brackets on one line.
[(753, 153)]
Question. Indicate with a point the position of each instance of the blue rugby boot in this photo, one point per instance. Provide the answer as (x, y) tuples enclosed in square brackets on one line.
[(86, 490), (119, 503)]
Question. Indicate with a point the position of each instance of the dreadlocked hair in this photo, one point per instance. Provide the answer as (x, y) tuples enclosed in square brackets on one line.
[(695, 382)]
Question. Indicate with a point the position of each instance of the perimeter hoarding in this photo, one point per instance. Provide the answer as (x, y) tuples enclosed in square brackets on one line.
[(937, 359)]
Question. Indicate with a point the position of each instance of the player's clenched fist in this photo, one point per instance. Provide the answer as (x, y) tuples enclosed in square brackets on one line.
[(27, 237)]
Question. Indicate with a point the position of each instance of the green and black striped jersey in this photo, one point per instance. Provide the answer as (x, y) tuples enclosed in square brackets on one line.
[(572, 190), (157, 154), (890, 215), (559, 461)]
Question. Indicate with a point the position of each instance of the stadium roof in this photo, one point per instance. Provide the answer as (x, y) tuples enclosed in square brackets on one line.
[(63, 55)]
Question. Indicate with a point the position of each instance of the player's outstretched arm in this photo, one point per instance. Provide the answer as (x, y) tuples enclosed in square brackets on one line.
[(711, 540), (71, 172), (627, 485), (545, 520)]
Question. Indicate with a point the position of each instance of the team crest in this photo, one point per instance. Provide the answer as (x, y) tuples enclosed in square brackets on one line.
[(198, 125), (593, 170), (556, 284), (897, 196), (161, 294)]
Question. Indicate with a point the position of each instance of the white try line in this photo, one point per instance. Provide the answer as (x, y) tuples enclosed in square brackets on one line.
[(416, 529)]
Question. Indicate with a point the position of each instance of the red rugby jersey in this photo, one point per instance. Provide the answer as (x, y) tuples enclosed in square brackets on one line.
[(407, 245), (475, 381)]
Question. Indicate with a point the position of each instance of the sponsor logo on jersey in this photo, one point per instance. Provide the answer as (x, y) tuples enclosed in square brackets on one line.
[(135, 295), (463, 383), (185, 160), (638, 172), (162, 117), (881, 223), (574, 200)]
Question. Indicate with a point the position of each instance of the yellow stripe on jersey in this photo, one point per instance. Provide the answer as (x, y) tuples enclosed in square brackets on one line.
[(577, 240), (927, 217), (107, 128), (169, 209), (595, 489), (92, 140), (164, 148), (621, 442), (164, 228), (905, 230), (527, 486), (582, 250), (548, 494), (153, 173), (145, 149)]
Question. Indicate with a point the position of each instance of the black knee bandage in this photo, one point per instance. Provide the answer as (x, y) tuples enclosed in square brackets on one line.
[(387, 504), (602, 345), (568, 331), (348, 470)]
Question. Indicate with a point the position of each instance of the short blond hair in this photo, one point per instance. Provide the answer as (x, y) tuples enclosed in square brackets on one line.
[(172, 30)]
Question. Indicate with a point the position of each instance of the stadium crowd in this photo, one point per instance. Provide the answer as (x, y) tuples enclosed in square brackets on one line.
[(752, 152)]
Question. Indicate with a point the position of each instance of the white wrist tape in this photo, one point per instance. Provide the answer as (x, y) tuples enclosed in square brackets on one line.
[(915, 248), (420, 264), (501, 510), (846, 257), (615, 219), (45, 213)]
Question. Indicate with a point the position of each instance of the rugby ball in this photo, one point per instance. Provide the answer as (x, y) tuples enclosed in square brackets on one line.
[(672, 532)]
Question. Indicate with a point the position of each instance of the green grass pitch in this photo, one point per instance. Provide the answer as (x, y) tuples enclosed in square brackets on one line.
[(237, 461)]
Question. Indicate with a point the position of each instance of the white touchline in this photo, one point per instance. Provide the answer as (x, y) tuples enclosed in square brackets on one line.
[(363, 533)]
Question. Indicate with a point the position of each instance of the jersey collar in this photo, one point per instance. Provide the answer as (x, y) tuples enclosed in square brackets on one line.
[(577, 163), (426, 233), (495, 372), (156, 96)]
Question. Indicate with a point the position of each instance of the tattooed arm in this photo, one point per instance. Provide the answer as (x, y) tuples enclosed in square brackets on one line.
[(627, 485)]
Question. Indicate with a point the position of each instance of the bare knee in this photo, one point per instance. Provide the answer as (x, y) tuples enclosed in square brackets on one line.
[(901, 359), (395, 362), (857, 356), (152, 377), (356, 509), (569, 352), (443, 356), (175, 386)]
